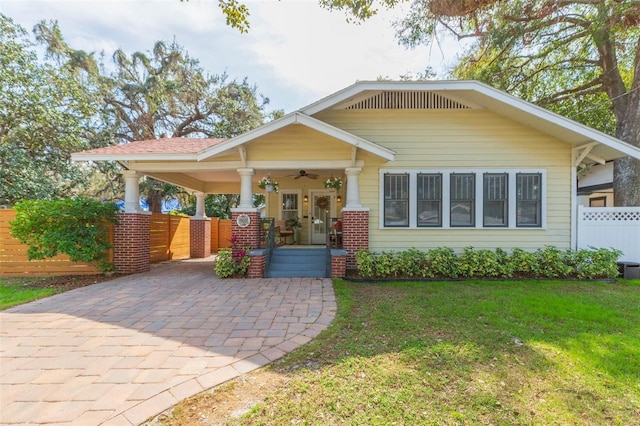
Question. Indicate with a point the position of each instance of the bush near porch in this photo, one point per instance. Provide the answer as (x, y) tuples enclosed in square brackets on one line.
[(444, 263)]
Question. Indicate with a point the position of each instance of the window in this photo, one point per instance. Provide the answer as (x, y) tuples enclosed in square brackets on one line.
[(528, 200), (290, 205), (466, 198), (495, 199), (429, 199), (396, 199), (463, 194)]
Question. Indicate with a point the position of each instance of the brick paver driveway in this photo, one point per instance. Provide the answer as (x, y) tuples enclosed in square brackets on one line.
[(122, 351)]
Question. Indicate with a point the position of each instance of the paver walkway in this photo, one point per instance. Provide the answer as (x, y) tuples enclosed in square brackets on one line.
[(122, 351)]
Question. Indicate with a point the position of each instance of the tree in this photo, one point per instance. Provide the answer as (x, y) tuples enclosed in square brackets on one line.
[(162, 93), (44, 116), (565, 53), (237, 14)]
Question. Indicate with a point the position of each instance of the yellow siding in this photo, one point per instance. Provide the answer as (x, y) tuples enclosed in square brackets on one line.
[(460, 139), (297, 142)]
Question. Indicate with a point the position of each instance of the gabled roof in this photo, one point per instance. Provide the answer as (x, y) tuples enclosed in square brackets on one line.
[(154, 149), (201, 149), (452, 94)]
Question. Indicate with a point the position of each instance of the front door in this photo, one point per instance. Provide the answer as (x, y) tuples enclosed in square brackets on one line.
[(322, 210)]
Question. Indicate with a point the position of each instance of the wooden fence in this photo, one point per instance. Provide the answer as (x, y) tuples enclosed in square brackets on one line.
[(14, 261), (170, 239), (220, 234)]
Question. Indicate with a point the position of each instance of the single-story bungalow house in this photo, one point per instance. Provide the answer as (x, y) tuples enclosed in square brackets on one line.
[(425, 164)]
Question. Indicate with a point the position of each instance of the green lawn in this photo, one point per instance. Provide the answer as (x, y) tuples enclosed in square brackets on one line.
[(16, 291), (467, 353)]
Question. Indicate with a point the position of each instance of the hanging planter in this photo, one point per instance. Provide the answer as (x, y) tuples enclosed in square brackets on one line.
[(268, 184), (333, 183)]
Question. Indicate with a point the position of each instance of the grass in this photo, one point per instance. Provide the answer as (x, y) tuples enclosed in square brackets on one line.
[(17, 291), (466, 353)]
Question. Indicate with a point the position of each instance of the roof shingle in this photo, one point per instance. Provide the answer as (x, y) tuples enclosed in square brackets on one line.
[(159, 146)]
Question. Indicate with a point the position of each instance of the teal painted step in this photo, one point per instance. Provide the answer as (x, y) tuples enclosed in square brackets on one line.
[(302, 263)]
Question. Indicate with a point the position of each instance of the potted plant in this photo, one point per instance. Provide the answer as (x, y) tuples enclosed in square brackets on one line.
[(268, 184), (333, 183)]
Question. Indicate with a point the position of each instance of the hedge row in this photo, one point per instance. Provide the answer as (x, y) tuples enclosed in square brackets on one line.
[(444, 263)]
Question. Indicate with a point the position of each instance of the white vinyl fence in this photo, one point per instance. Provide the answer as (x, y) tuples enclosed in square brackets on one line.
[(606, 227)]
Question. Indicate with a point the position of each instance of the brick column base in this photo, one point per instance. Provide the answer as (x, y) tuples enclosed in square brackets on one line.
[(355, 233), (338, 263), (132, 243), (200, 238), (246, 238), (256, 267)]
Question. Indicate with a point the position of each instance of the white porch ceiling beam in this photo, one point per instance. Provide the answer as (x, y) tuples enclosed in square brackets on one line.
[(180, 180)]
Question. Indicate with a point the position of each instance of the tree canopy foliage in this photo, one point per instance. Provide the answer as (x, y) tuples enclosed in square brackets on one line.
[(578, 57), (44, 116), (77, 100), (236, 14)]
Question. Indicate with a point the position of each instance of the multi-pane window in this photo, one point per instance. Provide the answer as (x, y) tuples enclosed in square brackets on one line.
[(290, 209), (396, 199), (495, 199), (528, 199), (429, 199), (462, 195)]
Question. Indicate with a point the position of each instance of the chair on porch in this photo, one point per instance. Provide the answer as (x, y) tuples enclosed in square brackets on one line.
[(283, 232), (335, 233)]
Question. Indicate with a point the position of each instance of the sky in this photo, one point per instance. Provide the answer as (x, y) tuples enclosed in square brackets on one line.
[(295, 52)]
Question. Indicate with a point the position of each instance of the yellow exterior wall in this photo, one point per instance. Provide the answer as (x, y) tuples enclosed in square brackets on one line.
[(297, 143), (460, 139)]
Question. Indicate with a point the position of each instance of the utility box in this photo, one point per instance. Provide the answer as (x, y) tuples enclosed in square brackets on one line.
[(629, 270)]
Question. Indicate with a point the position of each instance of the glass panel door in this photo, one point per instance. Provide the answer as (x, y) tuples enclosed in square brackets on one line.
[(322, 209)]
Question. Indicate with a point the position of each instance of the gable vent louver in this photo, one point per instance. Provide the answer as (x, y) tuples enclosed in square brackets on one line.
[(408, 100)]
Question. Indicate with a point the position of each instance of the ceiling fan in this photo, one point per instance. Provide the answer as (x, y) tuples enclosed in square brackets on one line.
[(303, 173)]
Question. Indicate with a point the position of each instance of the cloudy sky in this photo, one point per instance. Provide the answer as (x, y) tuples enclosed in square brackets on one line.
[(295, 52)]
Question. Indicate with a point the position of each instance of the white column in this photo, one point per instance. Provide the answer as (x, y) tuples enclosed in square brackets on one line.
[(131, 191), (353, 187), (246, 189), (200, 212)]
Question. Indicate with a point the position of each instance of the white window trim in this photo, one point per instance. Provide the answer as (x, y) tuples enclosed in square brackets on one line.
[(446, 201), (281, 192)]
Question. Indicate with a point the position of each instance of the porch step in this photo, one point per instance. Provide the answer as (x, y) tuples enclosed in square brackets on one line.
[(298, 263)]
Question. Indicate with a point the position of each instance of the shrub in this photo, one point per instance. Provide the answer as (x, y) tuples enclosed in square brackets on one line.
[(523, 263), (233, 262), (412, 262), (442, 262), (553, 263), (226, 266), (596, 263), (386, 265), (365, 262), (77, 227)]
